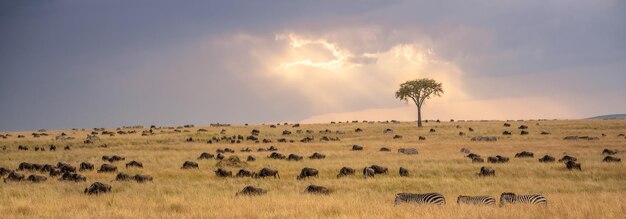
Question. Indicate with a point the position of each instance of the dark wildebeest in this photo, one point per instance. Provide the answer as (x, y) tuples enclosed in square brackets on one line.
[(545, 133), (142, 178), (4, 171), (25, 166), (219, 156), (523, 132), (307, 172), (317, 156), (567, 158), (486, 171), (122, 177), (478, 160), (67, 148), (379, 169), (611, 159), (246, 150), (470, 129), (345, 171), (421, 138), (53, 147), (465, 151), (244, 173), (368, 172), (397, 137), (250, 158), (251, 190), (432, 130), (472, 155), (66, 167), (85, 166), (97, 188), (498, 159), (404, 172), (115, 158), (407, 151), (223, 173), (357, 147), (384, 149), (55, 172), (461, 133), (73, 177), (507, 125), (277, 156), (266, 172), (190, 165), (547, 159), (570, 165), (315, 189), (506, 133), (105, 158), (107, 168), (609, 152), (205, 155), (524, 154), (37, 178), (294, 157), (134, 164), (523, 127), (14, 177)]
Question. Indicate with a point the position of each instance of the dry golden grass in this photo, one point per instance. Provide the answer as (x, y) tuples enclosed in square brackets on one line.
[(599, 191)]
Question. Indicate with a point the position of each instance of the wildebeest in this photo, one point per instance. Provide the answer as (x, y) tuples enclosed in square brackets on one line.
[(465, 151), (523, 127), (4, 171), (368, 172), (55, 172), (507, 125), (25, 166), (36, 178), (115, 158), (250, 158), (142, 178), (484, 138), (470, 129), (122, 177), (486, 171), (571, 165), (294, 157), (86, 166), (404, 172), (66, 167), (317, 156), (246, 150), (506, 133), (266, 172), (611, 159), (97, 188), (357, 147), (315, 189), (570, 138), (276, 155), (547, 159), (104, 168), (223, 173), (421, 138), (52, 147), (345, 171), (461, 133), (14, 177), (244, 173), (358, 130), (190, 165), (67, 148), (205, 155), (478, 160), (219, 156), (472, 155), (609, 152), (379, 169), (73, 177), (22, 148), (384, 149), (397, 137), (251, 190), (524, 154), (523, 132), (545, 133), (498, 159), (407, 151), (134, 164), (387, 131), (307, 172), (567, 158)]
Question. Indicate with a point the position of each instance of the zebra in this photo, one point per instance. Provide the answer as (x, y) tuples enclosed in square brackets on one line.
[(426, 198), (476, 200), (509, 197)]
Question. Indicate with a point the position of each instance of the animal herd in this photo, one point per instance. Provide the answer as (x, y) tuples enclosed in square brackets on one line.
[(70, 173)]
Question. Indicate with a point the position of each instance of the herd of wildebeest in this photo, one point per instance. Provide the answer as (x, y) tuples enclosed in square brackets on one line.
[(70, 173)]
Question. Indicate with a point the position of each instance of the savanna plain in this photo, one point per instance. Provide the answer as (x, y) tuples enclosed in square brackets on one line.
[(596, 191)]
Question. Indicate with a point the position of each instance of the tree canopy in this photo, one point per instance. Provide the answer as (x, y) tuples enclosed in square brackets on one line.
[(419, 91)]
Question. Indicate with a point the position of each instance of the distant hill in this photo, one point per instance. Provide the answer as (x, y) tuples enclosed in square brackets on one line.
[(612, 116)]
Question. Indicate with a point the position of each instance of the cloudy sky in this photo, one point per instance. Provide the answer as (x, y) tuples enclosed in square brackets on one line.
[(66, 64)]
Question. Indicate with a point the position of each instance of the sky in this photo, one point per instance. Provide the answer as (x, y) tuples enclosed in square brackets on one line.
[(83, 64)]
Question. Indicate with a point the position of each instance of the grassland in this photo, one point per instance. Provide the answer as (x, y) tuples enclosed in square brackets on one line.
[(598, 191)]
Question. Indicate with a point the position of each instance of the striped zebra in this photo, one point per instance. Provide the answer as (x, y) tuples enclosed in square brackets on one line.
[(476, 200), (508, 197), (426, 198)]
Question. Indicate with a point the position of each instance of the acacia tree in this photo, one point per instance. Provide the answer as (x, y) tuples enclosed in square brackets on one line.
[(419, 91)]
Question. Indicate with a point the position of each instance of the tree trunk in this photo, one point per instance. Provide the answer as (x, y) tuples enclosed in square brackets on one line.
[(419, 116)]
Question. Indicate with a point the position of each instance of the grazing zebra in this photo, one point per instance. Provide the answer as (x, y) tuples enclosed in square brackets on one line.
[(508, 197), (426, 198), (476, 200)]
